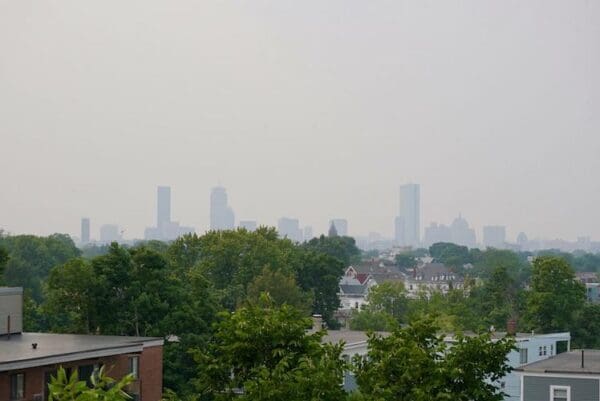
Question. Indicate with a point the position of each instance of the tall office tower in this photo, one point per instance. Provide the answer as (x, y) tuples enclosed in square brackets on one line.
[(399, 231), (341, 225), (221, 215), (410, 212), (109, 233), (85, 230), (249, 225), (494, 236), (163, 207), (289, 228)]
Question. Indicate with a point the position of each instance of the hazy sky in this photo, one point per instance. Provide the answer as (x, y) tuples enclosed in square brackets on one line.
[(310, 108)]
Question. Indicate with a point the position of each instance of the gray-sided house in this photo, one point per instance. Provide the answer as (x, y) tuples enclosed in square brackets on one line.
[(570, 376)]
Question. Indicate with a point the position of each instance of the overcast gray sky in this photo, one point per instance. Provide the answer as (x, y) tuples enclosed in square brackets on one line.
[(310, 108)]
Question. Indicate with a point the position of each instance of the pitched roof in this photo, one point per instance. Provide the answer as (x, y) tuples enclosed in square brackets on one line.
[(352, 289), (436, 272)]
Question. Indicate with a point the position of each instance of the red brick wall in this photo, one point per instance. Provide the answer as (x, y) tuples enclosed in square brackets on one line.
[(151, 372), (149, 385)]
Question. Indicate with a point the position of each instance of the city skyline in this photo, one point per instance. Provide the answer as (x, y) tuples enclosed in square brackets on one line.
[(459, 231), (308, 109)]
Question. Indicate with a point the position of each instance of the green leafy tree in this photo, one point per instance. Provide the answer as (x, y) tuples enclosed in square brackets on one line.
[(587, 327), (415, 364), (342, 248), (389, 297), (71, 299), (31, 258), (499, 299), (104, 388), (490, 260), (263, 352), (450, 254), (282, 288), (372, 320), (405, 261), (3, 262), (555, 295), (320, 274)]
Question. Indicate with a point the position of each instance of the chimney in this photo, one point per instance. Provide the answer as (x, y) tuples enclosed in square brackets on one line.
[(317, 322), (511, 327), (582, 359)]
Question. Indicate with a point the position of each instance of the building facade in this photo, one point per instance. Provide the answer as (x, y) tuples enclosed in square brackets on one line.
[(571, 376), (410, 214), (85, 230), (290, 228), (494, 237), (29, 360), (221, 214)]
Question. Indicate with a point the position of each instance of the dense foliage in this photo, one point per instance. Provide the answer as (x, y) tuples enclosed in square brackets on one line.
[(415, 364), (103, 388), (264, 352), (206, 293)]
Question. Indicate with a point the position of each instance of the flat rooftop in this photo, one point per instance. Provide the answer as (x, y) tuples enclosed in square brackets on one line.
[(567, 362), (355, 336), (17, 351)]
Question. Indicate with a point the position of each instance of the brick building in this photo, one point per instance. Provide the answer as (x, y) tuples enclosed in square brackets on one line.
[(28, 360)]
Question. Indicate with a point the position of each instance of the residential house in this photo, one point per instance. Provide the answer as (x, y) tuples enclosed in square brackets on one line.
[(570, 376), (28, 360), (431, 277), (379, 270)]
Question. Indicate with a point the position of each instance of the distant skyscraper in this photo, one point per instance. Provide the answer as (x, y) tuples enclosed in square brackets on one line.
[(163, 207), (462, 234), (399, 231), (341, 225), (494, 236), (165, 230), (85, 230), (332, 230), (289, 228), (437, 233), (249, 225), (410, 213), (221, 215), (109, 233)]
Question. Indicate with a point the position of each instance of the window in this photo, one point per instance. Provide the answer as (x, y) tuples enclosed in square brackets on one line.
[(551, 349), (545, 350), (85, 373), (560, 393), (134, 362), (523, 356), (540, 351), (17, 386)]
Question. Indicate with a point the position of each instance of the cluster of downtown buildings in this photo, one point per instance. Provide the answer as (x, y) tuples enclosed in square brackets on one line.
[(222, 217), (407, 227)]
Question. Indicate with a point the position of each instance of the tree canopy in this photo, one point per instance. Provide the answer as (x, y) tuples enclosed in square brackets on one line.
[(415, 364), (263, 352)]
